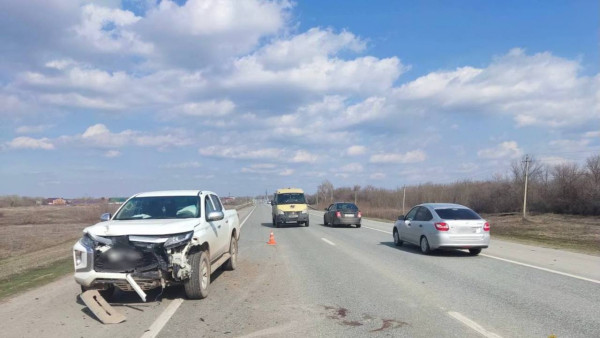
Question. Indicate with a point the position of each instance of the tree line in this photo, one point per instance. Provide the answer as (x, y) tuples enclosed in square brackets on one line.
[(566, 188)]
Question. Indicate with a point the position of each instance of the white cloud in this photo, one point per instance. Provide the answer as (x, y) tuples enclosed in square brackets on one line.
[(106, 30), (307, 47), (100, 136), (303, 156), (182, 165), (539, 89), (202, 31), (112, 153), (363, 75), (24, 142), (287, 172), (507, 149), (412, 156), (356, 150), (212, 108), (33, 129), (377, 176), (241, 152), (351, 168), (592, 134)]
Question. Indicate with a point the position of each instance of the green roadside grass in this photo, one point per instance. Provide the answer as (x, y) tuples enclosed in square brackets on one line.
[(36, 277)]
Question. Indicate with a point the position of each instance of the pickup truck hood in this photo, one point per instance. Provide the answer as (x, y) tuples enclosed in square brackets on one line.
[(143, 227)]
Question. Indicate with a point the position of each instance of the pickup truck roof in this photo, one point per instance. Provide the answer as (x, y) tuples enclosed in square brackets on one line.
[(173, 193)]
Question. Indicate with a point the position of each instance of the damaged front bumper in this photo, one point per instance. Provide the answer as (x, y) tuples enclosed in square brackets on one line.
[(151, 266)]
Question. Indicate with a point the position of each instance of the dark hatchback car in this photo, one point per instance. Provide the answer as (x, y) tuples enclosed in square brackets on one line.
[(342, 213)]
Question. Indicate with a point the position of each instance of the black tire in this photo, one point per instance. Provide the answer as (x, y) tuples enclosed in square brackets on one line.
[(307, 223), (325, 221), (475, 251), (358, 225), (196, 287), (107, 293), (425, 249), (231, 263), (397, 240)]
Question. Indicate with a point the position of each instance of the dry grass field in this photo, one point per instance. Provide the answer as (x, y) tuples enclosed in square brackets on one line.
[(32, 237), (578, 233)]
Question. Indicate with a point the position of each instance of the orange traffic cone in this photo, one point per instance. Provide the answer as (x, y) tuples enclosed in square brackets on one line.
[(271, 239)]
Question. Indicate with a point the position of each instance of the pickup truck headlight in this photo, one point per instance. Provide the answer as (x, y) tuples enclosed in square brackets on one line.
[(178, 240), (305, 211), (87, 241), (279, 212)]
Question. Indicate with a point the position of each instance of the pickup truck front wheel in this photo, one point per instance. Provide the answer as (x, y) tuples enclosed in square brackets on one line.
[(231, 263), (196, 287)]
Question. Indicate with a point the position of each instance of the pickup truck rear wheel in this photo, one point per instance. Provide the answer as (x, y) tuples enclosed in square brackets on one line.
[(196, 287), (231, 263)]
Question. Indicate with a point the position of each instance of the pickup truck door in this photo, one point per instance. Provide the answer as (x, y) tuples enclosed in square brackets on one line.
[(217, 228)]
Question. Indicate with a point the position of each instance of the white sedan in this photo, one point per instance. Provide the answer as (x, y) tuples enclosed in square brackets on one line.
[(434, 226)]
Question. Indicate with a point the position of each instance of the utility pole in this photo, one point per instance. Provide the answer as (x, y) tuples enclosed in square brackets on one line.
[(317, 196), (527, 160), (403, 199)]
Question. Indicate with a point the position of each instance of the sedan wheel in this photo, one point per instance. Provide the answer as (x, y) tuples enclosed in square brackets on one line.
[(397, 240), (425, 246), (474, 252)]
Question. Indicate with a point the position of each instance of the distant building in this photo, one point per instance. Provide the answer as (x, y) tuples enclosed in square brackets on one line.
[(56, 201)]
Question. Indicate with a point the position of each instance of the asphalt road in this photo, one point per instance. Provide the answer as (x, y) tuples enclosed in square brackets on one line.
[(345, 282)]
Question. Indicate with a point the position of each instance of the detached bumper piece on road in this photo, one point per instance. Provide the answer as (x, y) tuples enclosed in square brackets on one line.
[(100, 308)]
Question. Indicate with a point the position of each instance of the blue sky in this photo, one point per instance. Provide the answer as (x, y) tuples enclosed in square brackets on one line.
[(110, 98)]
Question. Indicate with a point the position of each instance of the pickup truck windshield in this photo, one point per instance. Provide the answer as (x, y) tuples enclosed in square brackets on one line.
[(163, 207), (292, 198)]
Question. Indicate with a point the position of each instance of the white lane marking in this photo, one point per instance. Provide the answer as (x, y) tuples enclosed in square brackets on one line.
[(385, 232), (471, 324), (328, 241), (519, 263), (164, 317), (245, 219), (543, 269)]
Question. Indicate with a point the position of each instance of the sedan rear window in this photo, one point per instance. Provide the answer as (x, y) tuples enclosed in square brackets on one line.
[(347, 207), (457, 213)]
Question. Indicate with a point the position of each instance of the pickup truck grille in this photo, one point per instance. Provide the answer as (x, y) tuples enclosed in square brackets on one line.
[(292, 213), (125, 260)]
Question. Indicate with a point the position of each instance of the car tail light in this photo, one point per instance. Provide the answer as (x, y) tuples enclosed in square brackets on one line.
[(359, 214), (486, 226), (338, 214), (441, 226)]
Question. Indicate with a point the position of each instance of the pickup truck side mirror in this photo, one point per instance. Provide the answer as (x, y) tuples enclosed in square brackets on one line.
[(401, 218), (105, 217), (215, 216), (273, 202)]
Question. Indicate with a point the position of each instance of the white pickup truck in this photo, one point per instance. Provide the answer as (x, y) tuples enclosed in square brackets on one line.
[(157, 239)]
